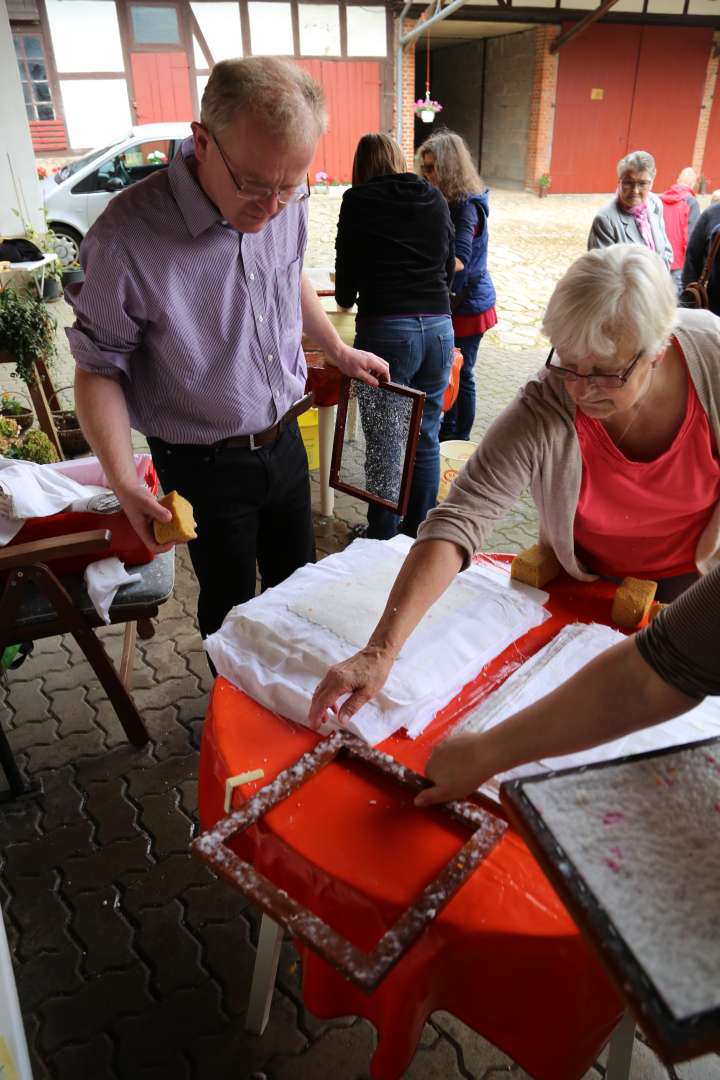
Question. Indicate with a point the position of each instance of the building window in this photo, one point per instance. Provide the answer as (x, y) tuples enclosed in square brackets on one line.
[(33, 76), (319, 29), (271, 32), (366, 31), (155, 25)]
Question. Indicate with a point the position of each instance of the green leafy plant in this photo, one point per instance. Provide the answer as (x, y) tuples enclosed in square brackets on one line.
[(544, 180), (10, 406), (46, 241), (35, 446), (27, 332)]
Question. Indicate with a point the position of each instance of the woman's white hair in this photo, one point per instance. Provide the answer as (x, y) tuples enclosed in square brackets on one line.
[(618, 296), (290, 103), (637, 161)]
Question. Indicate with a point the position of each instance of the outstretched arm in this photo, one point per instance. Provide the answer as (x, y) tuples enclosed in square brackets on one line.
[(615, 694), (425, 574)]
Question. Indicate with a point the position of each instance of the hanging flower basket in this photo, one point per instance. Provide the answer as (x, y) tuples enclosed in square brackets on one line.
[(426, 109)]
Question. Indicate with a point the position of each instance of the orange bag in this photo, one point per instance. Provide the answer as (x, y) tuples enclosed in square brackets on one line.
[(453, 385)]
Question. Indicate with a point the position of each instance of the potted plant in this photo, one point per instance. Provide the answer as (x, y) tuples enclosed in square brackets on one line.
[(426, 108), (12, 409), (34, 446), (72, 274), (27, 332), (543, 184), (321, 181)]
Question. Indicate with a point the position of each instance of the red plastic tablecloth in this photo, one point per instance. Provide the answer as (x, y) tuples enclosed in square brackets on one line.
[(503, 956)]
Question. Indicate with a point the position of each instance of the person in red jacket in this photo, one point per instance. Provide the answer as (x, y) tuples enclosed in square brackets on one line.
[(680, 210)]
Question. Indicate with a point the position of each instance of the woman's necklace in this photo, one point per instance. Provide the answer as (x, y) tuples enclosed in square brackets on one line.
[(637, 407)]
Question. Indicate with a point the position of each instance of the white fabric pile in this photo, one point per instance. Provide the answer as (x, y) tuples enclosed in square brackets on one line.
[(277, 646), (29, 491), (575, 646)]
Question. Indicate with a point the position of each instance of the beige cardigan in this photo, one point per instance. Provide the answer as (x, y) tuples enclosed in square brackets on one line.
[(533, 444)]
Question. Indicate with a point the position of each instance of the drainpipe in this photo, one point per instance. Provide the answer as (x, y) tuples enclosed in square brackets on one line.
[(399, 75)]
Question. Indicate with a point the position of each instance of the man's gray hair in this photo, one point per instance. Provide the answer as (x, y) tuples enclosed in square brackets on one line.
[(618, 298), (285, 98), (638, 161)]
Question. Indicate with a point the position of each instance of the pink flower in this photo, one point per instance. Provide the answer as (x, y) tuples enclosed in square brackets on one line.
[(321, 177)]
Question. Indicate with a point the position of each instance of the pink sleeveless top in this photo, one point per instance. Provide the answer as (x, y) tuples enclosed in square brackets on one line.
[(644, 518)]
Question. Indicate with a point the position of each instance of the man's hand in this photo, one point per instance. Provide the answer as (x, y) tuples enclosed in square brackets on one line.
[(361, 676), (142, 508), (457, 768), (358, 364)]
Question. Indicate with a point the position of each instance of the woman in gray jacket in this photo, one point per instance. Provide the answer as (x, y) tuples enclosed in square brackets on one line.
[(617, 440), (635, 215)]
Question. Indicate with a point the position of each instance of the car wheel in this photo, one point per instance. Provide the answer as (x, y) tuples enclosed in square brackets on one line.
[(67, 244)]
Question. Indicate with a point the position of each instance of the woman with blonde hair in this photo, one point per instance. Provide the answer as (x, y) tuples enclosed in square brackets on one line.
[(445, 161), (395, 257), (617, 439)]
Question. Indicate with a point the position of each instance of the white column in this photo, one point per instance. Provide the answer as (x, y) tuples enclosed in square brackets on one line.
[(17, 158)]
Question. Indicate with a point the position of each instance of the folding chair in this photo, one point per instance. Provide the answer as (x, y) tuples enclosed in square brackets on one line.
[(36, 603)]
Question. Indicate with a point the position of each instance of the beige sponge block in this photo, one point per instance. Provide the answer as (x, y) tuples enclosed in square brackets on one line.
[(632, 602), (182, 526), (535, 566), (655, 608)]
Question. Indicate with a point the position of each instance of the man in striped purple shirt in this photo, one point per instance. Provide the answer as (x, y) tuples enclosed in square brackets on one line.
[(188, 328)]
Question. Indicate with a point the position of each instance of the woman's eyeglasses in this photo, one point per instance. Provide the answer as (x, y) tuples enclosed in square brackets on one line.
[(609, 381), (246, 189)]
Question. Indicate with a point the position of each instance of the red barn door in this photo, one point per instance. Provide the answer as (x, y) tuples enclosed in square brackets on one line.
[(162, 87), (668, 95), (352, 89), (596, 80)]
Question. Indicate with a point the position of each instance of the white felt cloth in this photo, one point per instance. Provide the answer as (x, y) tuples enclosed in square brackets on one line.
[(279, 645), (103, 579), (28, 490), (554, 664)]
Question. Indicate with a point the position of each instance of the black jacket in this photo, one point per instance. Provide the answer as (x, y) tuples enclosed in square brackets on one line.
[(697, 252), (395, 251)]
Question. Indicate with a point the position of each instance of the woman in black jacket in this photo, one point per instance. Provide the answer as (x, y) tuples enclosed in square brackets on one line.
[(395, 256)]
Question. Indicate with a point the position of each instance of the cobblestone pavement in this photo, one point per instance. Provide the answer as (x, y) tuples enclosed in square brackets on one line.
[(132, 962)]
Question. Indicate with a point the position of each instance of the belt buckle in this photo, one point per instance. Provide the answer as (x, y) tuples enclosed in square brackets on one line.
[(253, 445)]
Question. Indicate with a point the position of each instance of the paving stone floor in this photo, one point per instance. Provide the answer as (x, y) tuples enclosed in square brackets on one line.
[(132, 962)]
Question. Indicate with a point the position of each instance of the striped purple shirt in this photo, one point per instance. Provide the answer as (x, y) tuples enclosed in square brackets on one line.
[(202, 323)]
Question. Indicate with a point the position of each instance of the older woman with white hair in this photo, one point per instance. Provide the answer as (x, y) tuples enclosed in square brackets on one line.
[(617, 439), (635, 215)]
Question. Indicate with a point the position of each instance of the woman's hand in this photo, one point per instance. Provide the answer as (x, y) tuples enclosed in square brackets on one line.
[(456, 767), (361, 676)]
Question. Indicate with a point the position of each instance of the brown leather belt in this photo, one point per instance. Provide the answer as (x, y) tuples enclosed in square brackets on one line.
[(264, 438)]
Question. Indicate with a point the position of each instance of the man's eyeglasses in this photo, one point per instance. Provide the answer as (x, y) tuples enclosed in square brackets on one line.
[(246, 189), (609, 381)]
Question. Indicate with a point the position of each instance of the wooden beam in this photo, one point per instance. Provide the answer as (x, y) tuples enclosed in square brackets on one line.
[(557, 43)]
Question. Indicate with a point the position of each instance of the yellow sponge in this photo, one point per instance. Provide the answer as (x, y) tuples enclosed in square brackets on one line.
[(182, 526), (632, 602), (535, 566)]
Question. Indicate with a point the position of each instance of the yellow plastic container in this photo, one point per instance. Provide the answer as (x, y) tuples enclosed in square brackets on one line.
[(310, 432), (453, 456)]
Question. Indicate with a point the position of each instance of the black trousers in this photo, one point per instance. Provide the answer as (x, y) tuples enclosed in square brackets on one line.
[(251, 507)]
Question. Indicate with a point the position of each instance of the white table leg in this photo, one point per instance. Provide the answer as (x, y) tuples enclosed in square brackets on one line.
[(622, 1042), (326, 432), (264, 972)]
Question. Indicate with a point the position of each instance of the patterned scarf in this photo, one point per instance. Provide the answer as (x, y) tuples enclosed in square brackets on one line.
[(642, 219)]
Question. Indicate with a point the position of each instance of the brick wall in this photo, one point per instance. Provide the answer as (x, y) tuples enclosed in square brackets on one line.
[(408, 93), (706, 108), (542, 107), (510, 62)]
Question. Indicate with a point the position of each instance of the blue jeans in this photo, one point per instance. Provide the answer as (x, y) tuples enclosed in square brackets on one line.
[(419, 350), (458, 422)]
